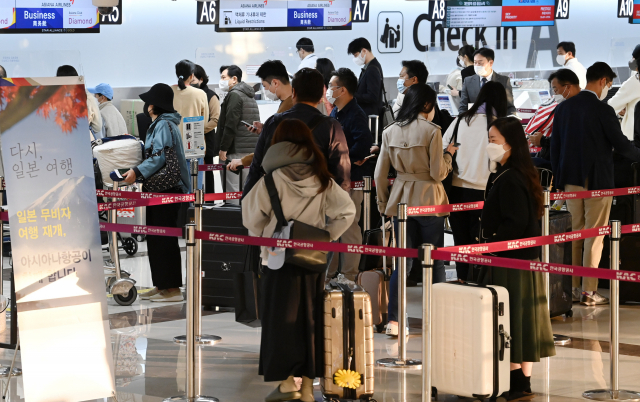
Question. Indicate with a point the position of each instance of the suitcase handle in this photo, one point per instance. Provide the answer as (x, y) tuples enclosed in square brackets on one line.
[(505, 341)]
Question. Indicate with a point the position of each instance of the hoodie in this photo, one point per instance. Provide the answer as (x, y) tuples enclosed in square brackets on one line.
[(331, 210), (162, 133), (239, 105)]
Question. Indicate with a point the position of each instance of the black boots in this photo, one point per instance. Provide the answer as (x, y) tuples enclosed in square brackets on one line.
[(520, 387)]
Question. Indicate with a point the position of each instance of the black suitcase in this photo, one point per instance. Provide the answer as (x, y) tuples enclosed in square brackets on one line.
[(560, 298)]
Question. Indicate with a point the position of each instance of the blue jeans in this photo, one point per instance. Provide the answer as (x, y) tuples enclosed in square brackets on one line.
[(420, 230)]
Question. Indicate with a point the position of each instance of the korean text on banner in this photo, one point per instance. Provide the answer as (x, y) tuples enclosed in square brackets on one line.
[(55, 236), (193, 137)]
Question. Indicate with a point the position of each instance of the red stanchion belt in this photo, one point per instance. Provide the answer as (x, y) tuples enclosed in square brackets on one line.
[(138, 229), (173, 199), (131, 195), (526, 265), (530, 242), (436, 209), (211, 168), (616, 192), (222, 196), (4, 215)]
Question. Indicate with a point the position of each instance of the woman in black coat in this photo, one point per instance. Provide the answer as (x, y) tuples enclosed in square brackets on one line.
[(512, 210)]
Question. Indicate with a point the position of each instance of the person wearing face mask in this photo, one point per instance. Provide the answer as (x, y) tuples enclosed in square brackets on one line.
[(470, 176), (513, 206), (164, 252), (564, 85), (355, 124), (585, 133), (325, 67), (567, 58), (465, 57), (239, 104), (112, 120), (305, 50), (464, 61), (277, 86), (412, 72), (483, 65), (413, 147), (370, 86), (625, 100), (201, 81)]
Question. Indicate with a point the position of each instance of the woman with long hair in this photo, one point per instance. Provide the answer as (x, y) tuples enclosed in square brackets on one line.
[(472, 170), (325, 67), (512, 210), (413, 147), (201, 81), (292, 342)]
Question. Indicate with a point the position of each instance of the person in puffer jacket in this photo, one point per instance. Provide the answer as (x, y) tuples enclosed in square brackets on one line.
[(239, 105)]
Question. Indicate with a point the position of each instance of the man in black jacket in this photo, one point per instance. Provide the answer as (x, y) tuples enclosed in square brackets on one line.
[(585, 132), (369, 93), (307, 89)]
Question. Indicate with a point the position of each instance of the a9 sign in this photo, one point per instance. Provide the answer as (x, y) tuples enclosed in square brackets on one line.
[(562, 9)]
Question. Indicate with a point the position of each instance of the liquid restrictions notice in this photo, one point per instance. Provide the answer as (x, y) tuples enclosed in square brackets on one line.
[(193, 137), (497, 13)]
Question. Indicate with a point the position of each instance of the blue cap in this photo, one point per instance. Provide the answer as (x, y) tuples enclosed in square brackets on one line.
[(104, 89)]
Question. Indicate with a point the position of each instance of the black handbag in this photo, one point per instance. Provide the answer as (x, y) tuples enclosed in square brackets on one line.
[(310, 260), (447, 183), (168, 176)]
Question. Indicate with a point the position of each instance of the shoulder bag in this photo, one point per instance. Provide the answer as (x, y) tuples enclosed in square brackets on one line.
[(309, 260), (168, 176), (388, 117)]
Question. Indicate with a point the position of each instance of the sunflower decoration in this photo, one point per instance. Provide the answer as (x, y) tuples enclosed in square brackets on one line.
[(347, 379)]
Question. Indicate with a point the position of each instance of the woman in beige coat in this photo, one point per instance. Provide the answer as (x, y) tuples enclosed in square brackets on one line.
[(413, 147), (293, 298)]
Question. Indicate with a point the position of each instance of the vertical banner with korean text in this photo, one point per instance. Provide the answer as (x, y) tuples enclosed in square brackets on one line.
[(55, 238)]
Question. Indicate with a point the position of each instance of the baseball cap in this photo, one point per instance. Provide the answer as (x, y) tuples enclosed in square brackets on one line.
[(104, 89)]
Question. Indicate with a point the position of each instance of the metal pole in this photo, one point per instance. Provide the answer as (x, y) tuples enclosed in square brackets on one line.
[(614, 393), (402, 361), (113, 246), (192, 387), (559, 340), (200, 338), (194, 174), (374, 120), (367, 204), (1, 250), (427, 279)]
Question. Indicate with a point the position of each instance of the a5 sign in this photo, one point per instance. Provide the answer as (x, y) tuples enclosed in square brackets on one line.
[(115, 18), (562, 9), (625, 8), (207, 12)]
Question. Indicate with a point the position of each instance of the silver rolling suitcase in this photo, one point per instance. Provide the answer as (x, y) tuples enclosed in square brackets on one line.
[(348, 341), (471, 354)]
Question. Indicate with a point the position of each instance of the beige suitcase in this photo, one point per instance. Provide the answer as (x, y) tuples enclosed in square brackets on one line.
[(348, 341)]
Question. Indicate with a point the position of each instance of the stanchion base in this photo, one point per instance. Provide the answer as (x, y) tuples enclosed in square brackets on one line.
[(204, 340), (561, 340), (609, 395), (4, 372), (196, 399), (411, 364)]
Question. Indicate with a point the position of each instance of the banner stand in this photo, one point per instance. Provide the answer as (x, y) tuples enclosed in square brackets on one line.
[(614, 393), (205, 340), (7, 371), (558, 340), (402, 362), (194, 366)]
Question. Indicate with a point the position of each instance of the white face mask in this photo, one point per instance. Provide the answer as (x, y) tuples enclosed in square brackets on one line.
[(561, 59), (605, 92), (496, 152), (271, 95), (330, 97), (481, 71), (560, 98), (224, 85), (400, 85), (359, 60)]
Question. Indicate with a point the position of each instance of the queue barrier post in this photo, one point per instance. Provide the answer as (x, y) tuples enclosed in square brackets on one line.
[(192, 386), (366, 209), (203, 340), (427, 279), (401, 361), (120, 286), (614, 393), (194, 173), (559, 340), (374, 120)]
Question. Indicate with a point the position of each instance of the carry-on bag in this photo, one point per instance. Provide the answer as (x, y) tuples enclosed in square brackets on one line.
[(121, 152), (560, 298), (348, 340), (471, 344)]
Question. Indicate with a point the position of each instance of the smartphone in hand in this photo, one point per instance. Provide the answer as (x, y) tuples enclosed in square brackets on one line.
[(248, 125)]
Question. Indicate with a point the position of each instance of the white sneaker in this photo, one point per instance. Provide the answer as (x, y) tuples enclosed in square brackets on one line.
[(576, 295), (392, 330)]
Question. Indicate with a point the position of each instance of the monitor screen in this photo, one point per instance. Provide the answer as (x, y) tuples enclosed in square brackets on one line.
[(260, 15), (500, 13), (47, 16), (635, 17)]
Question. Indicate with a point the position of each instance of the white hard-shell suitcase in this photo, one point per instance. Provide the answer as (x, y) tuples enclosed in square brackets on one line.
[(348, 341), (470, 338)]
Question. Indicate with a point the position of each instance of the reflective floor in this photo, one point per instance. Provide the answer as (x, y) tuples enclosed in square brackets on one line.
[(151, 367)]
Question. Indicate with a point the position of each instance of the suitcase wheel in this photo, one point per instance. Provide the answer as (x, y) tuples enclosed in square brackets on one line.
[(380, 328), (128, 299), (569, 314), (130, 246)]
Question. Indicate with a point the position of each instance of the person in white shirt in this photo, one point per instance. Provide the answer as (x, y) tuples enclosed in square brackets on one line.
[(625, 100), (305, 51), (413, 72), (567, 57)]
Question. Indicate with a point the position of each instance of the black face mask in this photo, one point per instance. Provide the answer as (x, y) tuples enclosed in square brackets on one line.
[(145, 110), (196, 85), (458, 62)]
